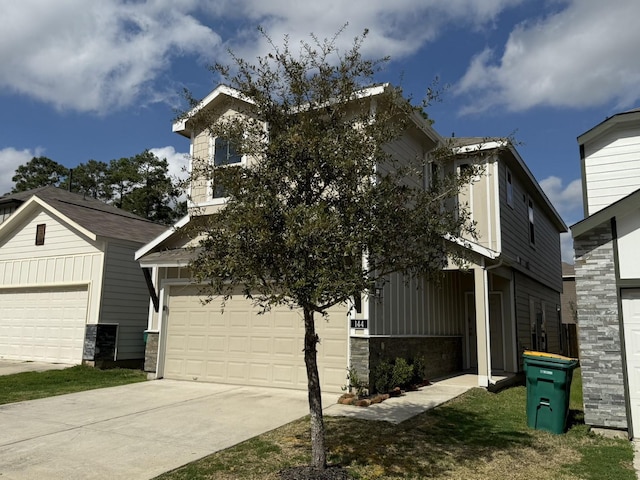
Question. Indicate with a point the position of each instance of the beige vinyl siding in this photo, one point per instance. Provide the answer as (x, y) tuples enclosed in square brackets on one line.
[(50, 270), (125, 299), (543, 258), (418, 307), (6, 212), (59, 240), (199, 188), (65, 258), (612, 167), (480, 197), (527, 291)]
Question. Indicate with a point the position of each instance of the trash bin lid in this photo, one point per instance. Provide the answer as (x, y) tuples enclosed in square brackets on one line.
[(550, 357)]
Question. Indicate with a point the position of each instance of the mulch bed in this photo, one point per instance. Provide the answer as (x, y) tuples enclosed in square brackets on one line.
[(306, 472)]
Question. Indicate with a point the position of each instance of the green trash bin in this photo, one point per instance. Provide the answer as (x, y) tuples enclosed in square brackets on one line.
[(548, 390)]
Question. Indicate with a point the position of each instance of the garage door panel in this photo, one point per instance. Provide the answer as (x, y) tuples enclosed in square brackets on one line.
[(261, 346), (43, 324), (246, 347), (631, 320)]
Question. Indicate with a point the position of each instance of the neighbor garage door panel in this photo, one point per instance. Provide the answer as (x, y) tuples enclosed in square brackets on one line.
[(45, 325), (631, 320), (241, 346)]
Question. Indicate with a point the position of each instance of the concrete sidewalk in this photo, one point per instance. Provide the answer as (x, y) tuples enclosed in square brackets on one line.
[(9, 367), (136, 431), (398, 409)]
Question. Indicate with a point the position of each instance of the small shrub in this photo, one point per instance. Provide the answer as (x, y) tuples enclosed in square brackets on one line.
[(354, 383), (402, 373), (382, 376), (419, 370), (389, 375)]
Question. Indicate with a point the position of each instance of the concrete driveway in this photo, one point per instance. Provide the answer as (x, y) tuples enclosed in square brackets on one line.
[(136, 431), (9, 367)]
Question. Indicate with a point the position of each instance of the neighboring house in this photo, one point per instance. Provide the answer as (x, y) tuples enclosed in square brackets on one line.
[(569, 312), (70, 290), (607, 267), (478, 319)]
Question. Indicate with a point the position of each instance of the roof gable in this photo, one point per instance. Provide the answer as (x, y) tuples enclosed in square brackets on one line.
[(610, 123), (617, 209), (91, 217)]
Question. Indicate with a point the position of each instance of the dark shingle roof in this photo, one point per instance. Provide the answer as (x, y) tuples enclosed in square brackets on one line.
[(98, 217)]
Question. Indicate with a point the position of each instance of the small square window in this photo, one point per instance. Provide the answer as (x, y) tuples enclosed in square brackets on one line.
[(40, 229)]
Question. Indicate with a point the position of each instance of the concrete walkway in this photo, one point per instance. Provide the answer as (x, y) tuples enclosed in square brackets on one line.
[(398, 409)]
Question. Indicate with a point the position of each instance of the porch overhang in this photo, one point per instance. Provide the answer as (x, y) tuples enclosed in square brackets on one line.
[(177, 257)]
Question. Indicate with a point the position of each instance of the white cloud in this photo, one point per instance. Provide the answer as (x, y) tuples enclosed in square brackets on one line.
[(10, 160), (397, 28), (95, 56), (585, 54), (567, 199), (178, 164), (101, 56), (178, 161), (566, 247)]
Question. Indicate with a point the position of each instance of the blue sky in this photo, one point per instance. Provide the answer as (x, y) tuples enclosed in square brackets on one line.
[(102, 80)]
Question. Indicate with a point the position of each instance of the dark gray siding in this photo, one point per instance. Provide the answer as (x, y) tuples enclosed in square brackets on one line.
[(125, 299), (541, 261)]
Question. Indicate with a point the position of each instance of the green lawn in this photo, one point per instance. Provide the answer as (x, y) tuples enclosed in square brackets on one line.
[(32, 385), (477, 436)]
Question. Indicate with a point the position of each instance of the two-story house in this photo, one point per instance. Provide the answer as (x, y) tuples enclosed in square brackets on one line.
[(607, 271), (478, 318)]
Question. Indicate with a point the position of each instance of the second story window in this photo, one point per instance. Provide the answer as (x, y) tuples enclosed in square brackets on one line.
[(224, 153), (532, 232)]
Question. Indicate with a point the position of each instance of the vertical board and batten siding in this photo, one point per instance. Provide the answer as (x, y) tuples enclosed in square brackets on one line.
[(544, 257), (611, 167), (125, 299), (418, 308)]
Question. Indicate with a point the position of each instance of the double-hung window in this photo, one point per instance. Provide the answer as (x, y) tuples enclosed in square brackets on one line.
[(223, 153)]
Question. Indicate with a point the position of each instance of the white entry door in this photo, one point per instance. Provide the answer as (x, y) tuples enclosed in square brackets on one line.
[(631, 322)]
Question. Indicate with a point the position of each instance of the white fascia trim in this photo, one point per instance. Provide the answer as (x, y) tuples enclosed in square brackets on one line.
[(181, 125), (30, 204), (474, 247), (161, 238), (477, 147)]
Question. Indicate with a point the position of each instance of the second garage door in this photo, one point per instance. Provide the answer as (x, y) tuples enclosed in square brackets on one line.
[(43, 324), (240, 346)]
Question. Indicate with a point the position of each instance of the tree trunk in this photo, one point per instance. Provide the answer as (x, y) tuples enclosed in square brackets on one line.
[(318, 454)]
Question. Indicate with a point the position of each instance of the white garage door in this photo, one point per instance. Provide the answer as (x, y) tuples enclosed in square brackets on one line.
[(631, 321), (43, 325), (239, 346)]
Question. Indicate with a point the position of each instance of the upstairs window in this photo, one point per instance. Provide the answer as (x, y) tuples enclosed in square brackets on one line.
[(509, 188), (532, 231), (224, 153), (40, 230)]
